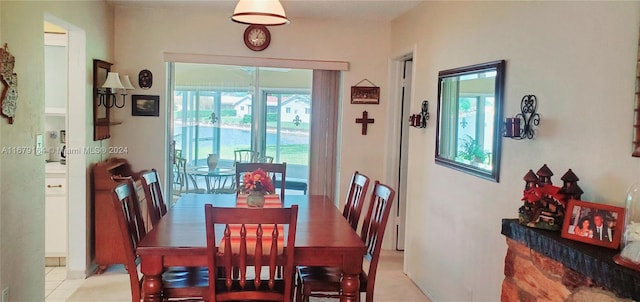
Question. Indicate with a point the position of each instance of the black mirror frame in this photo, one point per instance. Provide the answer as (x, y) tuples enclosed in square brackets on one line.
[(494, 174)]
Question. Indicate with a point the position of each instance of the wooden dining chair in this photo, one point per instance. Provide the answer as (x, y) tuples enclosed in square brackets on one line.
[(277, 172), (178, 282), (245, 156), (153, 195), (254, 242), (312, 281), (355, 198)]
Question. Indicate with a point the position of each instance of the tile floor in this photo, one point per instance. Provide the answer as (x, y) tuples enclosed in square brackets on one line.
[(56, 286), (391, 285)]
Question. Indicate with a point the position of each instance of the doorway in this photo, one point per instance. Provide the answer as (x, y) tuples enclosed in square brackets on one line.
[(77, 257), (405, 90), (55, 117)]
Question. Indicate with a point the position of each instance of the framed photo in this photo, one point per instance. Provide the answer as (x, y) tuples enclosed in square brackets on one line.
[(365, 95), (145, 105), (593, 223)]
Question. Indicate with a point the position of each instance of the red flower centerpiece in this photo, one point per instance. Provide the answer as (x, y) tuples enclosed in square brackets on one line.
[(256, 184)]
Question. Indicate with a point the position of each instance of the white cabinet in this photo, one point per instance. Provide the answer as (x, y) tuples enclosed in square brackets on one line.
[(56, 210)]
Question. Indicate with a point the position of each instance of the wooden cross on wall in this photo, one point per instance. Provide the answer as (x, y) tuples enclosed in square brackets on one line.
[(365, 120)]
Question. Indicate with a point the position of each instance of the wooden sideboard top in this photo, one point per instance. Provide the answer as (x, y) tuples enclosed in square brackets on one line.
[(104, 170)]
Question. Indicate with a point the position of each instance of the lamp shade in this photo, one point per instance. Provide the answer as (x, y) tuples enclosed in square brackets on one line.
[(126, 83), (113, 81), (263, 12)]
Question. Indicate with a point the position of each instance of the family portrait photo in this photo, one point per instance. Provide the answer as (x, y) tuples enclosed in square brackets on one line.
[(593, 223)]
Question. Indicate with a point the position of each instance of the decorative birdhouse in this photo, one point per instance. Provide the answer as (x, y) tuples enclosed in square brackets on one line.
[(544, 204)]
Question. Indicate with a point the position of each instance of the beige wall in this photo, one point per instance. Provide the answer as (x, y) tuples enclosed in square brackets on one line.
[(144, 34), (578, 58), (22, 189)]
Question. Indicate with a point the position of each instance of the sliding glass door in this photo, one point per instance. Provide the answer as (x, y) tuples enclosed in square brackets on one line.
[(221, 108), (287, 131)]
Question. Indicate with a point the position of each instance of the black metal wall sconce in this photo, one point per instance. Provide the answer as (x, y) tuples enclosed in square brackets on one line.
[(521, 125), (420, 120)]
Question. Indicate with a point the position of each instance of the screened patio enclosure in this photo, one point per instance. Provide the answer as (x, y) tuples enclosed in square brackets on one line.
[(221, 108)]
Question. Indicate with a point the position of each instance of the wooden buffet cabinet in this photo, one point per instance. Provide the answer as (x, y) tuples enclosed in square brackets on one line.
[(107, 242)]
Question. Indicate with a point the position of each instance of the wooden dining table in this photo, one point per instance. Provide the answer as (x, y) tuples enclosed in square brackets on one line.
[(323, 238)]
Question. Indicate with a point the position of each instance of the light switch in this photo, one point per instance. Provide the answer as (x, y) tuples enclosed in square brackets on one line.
[(39, 144)]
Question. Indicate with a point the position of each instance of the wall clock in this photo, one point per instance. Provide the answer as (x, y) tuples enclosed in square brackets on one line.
[(257, 37)]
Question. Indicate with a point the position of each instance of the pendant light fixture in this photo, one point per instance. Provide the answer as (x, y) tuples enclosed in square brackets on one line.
[(262, 12)]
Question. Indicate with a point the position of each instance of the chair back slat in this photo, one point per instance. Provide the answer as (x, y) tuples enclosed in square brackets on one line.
[(228, 255), (273, 257), (245, 241), (373, 228), (243, 256), (258, 260), (153, 195), (355, 198)]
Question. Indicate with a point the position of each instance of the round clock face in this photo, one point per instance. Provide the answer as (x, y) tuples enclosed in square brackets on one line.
[(257, 37)]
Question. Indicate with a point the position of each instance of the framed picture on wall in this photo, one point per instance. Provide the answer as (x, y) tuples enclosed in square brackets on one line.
[(365, 95), (145, 105), (593, 223)]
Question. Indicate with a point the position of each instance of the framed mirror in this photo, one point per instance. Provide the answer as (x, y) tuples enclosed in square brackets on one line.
[(468, 131), (100, 111)]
